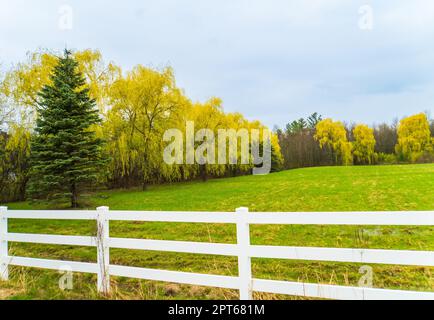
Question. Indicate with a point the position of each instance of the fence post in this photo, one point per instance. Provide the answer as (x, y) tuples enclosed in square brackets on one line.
[(103, 250), (4, 266), (244, 263)]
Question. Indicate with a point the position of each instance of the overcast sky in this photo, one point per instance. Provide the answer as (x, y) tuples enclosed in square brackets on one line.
[(272, 60)]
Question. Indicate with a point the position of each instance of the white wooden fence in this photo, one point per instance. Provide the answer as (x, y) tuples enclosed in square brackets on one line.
[(245, 283)]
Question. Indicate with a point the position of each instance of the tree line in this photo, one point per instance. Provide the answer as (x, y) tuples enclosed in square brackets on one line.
[(315, 141), (72, 122)]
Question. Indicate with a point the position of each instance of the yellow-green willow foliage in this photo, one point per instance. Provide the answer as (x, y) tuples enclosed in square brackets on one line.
[(414, 138), (6, 111), (144, 104), (333, 135), (364, 144), (14, 163), (210, 115)]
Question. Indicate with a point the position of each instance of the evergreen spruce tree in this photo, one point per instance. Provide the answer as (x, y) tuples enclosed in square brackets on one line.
[(65, 153)]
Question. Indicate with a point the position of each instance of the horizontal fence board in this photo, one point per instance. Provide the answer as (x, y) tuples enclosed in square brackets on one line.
[(310, 218), (84, 267), (336, 292), (411, 218), (52, 239), (182, 217), (175, 246), (51, 215), (395, 257), (198, 279)]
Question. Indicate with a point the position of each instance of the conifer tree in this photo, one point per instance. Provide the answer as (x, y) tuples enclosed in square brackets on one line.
[(65, 153)]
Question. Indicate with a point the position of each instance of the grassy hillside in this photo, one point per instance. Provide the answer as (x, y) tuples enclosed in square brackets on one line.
[(379, 188), (390, 188)]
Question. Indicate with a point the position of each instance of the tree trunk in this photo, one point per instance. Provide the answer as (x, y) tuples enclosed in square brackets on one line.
[(203, 173), (23, 185), (74, 196)]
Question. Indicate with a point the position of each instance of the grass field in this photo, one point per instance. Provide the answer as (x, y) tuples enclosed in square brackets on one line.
[(375, 188)]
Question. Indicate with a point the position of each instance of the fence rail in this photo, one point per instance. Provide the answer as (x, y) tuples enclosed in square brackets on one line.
[(244, 282)]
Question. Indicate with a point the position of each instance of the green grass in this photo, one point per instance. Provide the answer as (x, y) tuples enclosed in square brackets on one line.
[(375, 188)]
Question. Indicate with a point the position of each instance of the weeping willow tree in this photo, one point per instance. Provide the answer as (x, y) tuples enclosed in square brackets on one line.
[(14, 148), (414, 138), (14, 163), (332, 134), (206, 116), (364, 144), (145, 103)]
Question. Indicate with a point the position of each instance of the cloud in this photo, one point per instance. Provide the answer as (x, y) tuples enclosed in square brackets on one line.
[(271, 60)]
